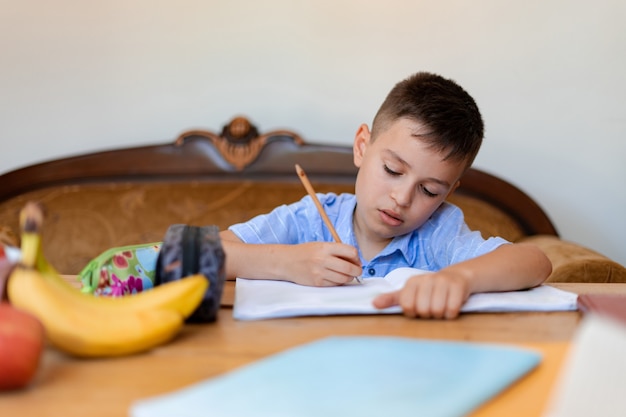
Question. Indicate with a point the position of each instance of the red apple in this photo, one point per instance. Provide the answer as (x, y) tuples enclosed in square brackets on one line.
[(22, 339), (21, 346)]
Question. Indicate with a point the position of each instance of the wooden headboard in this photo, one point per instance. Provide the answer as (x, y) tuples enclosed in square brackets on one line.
[(126, 196)]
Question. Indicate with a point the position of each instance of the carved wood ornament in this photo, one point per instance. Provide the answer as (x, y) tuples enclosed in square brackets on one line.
[(239, 143)]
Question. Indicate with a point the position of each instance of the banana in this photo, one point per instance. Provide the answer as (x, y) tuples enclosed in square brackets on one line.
[(183, 295), (89, 326), (89, 332)]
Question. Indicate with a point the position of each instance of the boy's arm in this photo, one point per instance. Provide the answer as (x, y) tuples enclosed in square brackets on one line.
[(510, 267), (442, 294), (315, 264)]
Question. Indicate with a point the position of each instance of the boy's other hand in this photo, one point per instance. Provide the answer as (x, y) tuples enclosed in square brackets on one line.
[(437, 295)]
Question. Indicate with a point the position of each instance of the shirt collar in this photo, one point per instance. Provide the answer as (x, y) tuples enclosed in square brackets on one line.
[(401, 244)]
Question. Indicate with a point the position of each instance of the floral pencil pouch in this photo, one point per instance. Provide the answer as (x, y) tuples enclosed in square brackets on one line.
[(185, 250), (121, 270)]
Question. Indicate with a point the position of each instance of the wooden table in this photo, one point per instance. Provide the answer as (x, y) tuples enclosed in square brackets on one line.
[(68, 387)]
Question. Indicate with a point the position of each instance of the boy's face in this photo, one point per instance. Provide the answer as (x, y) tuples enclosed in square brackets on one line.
[(400, 183)]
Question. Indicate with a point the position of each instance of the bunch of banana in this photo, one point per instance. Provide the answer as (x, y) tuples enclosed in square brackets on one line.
[(90, 326)]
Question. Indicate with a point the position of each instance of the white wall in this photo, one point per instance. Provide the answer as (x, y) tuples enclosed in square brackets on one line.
[(549, 76)]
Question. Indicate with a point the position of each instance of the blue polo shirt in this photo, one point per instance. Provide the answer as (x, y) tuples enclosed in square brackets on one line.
[(443, 240)]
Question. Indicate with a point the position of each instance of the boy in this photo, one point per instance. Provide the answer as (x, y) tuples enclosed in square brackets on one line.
[(424, 136)]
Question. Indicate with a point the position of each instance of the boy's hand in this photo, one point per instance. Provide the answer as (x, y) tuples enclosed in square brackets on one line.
[(322, 264), (437, 295)]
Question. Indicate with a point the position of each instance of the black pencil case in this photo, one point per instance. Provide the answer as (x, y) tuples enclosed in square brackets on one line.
[(188, 250)]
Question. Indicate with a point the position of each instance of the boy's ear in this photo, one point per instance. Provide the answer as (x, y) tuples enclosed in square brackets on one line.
[(361, 140)]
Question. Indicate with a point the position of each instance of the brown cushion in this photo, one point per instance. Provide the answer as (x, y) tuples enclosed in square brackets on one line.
[(491, 221), (7, 236), (574, 263), (84, 220)]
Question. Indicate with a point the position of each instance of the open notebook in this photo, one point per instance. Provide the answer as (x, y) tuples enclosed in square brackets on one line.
[(264, 299), (354, 376)]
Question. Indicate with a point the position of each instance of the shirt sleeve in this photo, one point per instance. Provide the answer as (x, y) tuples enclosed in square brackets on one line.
[(286, 224), (452, 241)]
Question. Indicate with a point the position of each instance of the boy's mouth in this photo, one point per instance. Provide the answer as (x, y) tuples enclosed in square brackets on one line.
[(390, 217)]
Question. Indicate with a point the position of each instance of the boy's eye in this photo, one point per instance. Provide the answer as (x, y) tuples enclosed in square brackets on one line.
[(428, 193), (390, 171)]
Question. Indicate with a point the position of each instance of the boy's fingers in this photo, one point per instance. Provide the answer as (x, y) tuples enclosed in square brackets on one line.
[(423, 302), (352, 256), (386, 300), (456, 298), (342, 270), (440, 304)]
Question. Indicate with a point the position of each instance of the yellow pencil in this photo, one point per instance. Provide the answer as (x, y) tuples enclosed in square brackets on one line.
[(320, 209)]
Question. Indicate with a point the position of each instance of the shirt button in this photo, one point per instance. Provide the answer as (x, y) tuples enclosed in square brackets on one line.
[(371, 271)]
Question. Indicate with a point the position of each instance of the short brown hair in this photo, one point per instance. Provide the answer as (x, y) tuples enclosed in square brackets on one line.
[(441, 105)]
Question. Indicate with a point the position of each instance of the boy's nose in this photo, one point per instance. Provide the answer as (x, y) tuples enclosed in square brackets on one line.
[(402, 195)]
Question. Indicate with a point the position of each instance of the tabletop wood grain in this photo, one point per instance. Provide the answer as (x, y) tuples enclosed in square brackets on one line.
[(70, 387)]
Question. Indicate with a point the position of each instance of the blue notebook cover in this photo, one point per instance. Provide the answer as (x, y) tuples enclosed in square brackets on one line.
[(354, 376)]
